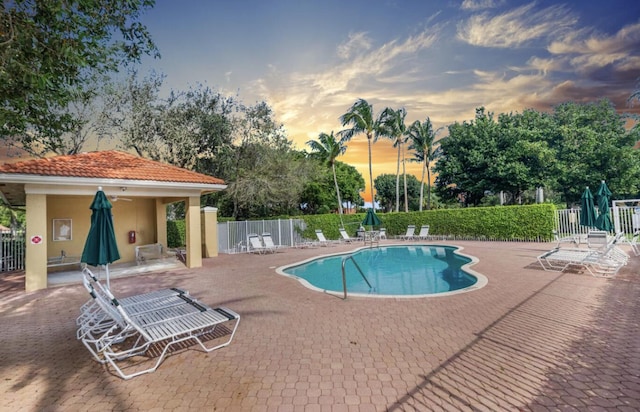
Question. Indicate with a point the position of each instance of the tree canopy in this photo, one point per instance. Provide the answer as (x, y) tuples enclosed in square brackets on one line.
[(50, 50), (575, 146), (386, 190)]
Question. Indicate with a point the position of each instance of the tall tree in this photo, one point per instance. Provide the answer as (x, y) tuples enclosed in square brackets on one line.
[(592, 144), (423, 138), (385, 187), (361, 119), (89, 109), (327, 149), (50, 50), (466, 156), (524, 160), (319, 194), (188, 129), (392, 126)]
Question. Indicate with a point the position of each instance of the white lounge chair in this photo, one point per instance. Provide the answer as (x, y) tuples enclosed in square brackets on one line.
[(411, 229), (565, 239), (424, 232), (269, 244), (383, 234), (598, 239), (256, 245), (635, 247), (322, 240), (600, 263), (345, 236), (92, 318), (157, 330)]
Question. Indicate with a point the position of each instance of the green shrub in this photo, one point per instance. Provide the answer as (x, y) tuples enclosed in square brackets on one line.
[(176, 233), (527, 223)]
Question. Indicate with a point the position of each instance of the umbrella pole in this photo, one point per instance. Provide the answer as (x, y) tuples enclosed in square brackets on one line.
[(106, 271)]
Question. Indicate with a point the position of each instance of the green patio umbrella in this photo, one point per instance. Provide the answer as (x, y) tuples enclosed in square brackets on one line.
[(587, 209), (603, 222), (371, 219), (101, 248)]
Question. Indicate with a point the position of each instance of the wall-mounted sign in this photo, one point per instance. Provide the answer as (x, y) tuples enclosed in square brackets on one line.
[(62, 229)]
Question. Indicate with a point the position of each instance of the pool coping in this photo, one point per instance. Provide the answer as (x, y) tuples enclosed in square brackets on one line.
[(481, 282)]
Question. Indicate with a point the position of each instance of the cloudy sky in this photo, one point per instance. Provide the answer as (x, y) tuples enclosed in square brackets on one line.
[(311, 60)]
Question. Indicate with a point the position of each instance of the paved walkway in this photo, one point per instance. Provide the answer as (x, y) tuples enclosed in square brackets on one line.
[(530, 340)]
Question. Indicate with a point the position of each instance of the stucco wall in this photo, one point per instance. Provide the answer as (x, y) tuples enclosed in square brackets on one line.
[(139, 215)]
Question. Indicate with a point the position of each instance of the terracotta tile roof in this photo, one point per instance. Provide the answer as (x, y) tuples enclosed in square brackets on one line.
[(110, 164)]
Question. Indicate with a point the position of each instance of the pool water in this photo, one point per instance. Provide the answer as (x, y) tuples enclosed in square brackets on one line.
[(391, 270)]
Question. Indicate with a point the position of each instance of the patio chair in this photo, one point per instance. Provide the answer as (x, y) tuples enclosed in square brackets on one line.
[(345, 236), (268, 242), (598, 263), (565, 239), (411, 229), (383, 234), (96, 318), (634, 243), (256, 245), (92, 316), (322, 240), (597, 239), (424, 232), (157, 331)]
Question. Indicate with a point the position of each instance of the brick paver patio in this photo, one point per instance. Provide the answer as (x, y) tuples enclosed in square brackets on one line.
[(529, 340)]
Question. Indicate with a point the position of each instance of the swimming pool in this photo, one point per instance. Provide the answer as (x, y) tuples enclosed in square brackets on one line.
[(392, 271)]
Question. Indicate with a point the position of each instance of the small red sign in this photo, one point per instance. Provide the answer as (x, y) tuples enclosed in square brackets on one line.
[(36, 240)]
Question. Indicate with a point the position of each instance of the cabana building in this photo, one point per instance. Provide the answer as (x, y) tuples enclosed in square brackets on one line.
[(57, 192)]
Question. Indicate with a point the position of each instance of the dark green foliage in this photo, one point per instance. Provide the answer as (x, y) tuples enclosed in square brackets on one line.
[(12, 218), (319, 194), (386, 191), (330, 223), (176, 233), (527, 223), (576, 146), (51, 49)]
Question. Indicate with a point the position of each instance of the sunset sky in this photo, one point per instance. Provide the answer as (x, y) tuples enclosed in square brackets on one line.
[(311, 60)]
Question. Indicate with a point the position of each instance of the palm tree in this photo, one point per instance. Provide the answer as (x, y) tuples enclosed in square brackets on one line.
[(360, 117), (422, 138), (327, 149), (393, 126)]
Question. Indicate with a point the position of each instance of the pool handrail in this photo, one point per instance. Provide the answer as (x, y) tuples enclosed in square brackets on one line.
[(344, 277)]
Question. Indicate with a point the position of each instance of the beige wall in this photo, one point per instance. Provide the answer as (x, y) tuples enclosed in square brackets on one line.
[(139, 215), (36, 264)]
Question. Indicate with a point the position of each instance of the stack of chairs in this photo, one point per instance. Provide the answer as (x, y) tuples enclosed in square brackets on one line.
[(115, 331), (600, 259)]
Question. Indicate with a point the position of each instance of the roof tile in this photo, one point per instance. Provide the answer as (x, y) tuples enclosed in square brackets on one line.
[(109, 164)]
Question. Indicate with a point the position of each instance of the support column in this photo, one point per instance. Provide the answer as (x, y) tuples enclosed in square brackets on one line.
[(209, 216), (36, 242), (194, 239), (161, 223)]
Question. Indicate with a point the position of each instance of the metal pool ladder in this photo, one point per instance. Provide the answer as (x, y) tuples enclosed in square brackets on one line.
[(344, 278)]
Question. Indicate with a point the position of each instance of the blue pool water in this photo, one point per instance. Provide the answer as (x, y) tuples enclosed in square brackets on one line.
[(391, 270)]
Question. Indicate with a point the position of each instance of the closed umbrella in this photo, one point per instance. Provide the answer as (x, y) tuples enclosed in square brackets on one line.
[(101, 247), (588, 211), (603, 222), (371, 219)]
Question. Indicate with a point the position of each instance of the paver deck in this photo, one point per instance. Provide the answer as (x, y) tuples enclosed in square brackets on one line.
[(530, 340)]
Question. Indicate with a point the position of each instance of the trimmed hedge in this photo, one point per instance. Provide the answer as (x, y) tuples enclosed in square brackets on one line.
[(524, 223), (176, 233)]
